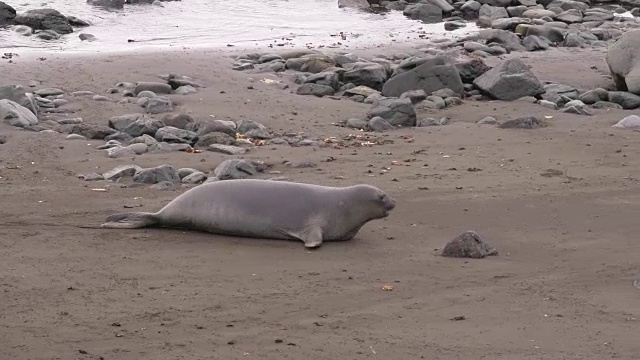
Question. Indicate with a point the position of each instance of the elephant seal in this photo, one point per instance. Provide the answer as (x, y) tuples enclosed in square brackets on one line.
[(267, 209)]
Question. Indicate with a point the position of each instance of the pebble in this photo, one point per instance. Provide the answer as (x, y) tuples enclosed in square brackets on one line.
[(75, 137)]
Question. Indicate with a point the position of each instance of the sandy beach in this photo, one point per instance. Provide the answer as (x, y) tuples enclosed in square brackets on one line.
[(559, 204)]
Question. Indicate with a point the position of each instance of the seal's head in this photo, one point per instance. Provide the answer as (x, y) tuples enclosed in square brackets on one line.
[(378, 203)]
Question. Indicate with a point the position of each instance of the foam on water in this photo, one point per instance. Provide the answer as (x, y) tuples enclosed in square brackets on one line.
[(219, 23)]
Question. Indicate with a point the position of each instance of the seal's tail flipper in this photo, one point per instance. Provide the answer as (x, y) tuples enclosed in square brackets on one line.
[(130, 220)]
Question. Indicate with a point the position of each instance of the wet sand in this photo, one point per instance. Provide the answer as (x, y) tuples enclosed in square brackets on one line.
[(561, 287)]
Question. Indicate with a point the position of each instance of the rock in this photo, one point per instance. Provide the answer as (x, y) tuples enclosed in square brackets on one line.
[(179, 121), (174, 135), (253, 129), (162, 185), (155, 87), (534, 43), (111, 4), (92, 177), (625, 99), (7, 14), (525, 122), (237, 169), (74, 21), (144, 139), (147, 94), (379, 124), (628, 122), (548, 104), (215, 138), (315, 63), (468, 245), (370, 75), (90, 131), (433, 74), (47, 35), (576, 107), (159, 104), (121, 122), (49, 92), (122, 151), (593, 96), (156, 175), (360, 90), (15, 114), (428, 122), (553, 34), (45, 19), (87, 37), (623, 58), (505, 38), (196, 177), (121, 171), (205, 127), (185, 90), (488, 120), (606, 105), (60, 102), (178, 81), (470, 68), (22, 30), (415, 96), (75, 137), (226, 149), (536, 13), (493, 12), (427, 13), (397, 112), (356, 4), (143, 125), (570, 16), (356, 123), (574, 40), (510, 80), (315, 89), (454, 25), (101, 98)]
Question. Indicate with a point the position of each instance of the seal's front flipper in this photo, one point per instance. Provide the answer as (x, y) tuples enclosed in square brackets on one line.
[(312, 237), (131, 220)]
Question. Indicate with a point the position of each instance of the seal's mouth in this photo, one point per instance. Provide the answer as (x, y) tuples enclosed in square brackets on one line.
[(389, 204)]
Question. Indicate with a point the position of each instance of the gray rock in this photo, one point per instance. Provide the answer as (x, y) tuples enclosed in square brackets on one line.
[(315, 89), (87, 37), (574, 40), (454, 25), (121, 122), (471, 68), (237, 169), (606, 105), (121, 171), (625, 99), (253, 129), (327, 78), (90, 131), (7, 14), (144, 139), (534, 43), (185, 90), (215, 138), (548, 104), (397, 112), (92, 177), (525, 122), (22, 30), (156, 175), (183, 172), (570, 16), (155, 87), (576, 107), (102, 98), (226, 149), (623, 58), (143, 125), (509, 81), (593, 96), (628, 122), (180, 121), (356, 123), (493, 12), (163, 185), (433, 74), (75, 137), (204, 127), (367, 74), (379, 124), (416, 96), (196, 177), (159, 104), (316, 63), (505, 38), (109, 4), (45, 19), (468, 245), (147, 94), (428, 122), (488, 120), (15, 114), (47, 35), (174, 135), (426, 13)]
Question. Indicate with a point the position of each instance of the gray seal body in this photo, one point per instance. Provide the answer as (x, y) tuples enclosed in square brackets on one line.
[(267, 209)]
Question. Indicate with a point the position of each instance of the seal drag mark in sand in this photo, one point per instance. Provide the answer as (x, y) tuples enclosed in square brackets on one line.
[(267, 209)]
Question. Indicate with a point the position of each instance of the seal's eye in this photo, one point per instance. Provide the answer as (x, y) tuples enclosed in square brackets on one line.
[(381, 196)]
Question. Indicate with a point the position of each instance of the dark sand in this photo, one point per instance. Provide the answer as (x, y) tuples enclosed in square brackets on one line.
[(561, 287)]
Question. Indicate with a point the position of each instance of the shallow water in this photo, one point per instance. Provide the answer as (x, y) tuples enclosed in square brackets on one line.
[(221, 23)]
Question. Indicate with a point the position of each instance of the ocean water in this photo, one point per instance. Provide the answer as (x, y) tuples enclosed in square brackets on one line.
[(225, 23)]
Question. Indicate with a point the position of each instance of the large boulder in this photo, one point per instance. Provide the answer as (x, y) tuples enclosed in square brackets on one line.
[(623, 58), (433, 74), (15, 114), (397, 112), (509, 81), (18, 94), (109, 4), (45, 19), (426, 13), (7, 14)]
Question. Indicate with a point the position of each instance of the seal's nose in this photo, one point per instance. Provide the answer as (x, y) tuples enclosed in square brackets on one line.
[(390, 203)]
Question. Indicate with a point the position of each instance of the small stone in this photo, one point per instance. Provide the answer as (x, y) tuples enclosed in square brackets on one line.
[(102, 98), (185, 90), (194, 178), (525, 122), (121, 171), (226, 149), (147, 94), (356, 123), (92, 177), (468, 245), (488, 120)]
